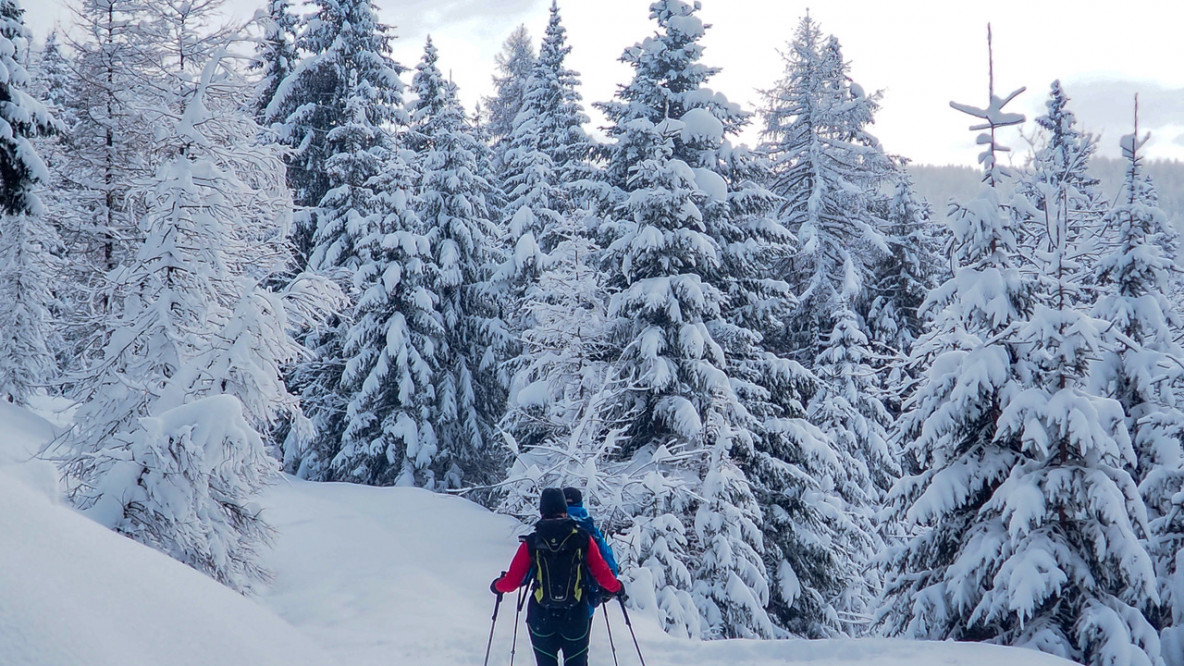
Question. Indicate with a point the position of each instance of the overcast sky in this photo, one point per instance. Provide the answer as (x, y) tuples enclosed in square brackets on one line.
[(921, 53)]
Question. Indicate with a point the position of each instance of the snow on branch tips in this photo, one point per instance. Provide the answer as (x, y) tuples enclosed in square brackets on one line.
[(995, 118)]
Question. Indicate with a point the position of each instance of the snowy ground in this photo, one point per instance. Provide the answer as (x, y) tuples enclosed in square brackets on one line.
[(364, 576), (73, 592)]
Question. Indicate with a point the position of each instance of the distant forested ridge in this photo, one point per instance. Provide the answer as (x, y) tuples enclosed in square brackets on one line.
[(939, 184)]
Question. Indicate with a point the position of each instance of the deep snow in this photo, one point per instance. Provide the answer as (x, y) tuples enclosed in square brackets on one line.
[(75, 593), (362, 576)]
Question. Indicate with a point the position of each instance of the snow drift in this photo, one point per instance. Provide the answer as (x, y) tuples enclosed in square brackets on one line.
[(77, 593)]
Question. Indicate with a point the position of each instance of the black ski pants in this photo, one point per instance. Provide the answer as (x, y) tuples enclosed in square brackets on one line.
[(559, 631)]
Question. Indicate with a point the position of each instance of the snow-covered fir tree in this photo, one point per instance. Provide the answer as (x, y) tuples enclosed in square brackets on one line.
[(901, 281), (672, 148), (1060, 166), (456, 216), (1091, 511), (558, 379), (678, 389), (966, 371), (54, 81), (544, 158), (847, 410), (534, 200), (275, 56), (553, 105), (51, 75), (349, 87), (829, 171), (563, 383), (27, 241), (393, 345), (1024, 518), (1143, 372), (347, 71)]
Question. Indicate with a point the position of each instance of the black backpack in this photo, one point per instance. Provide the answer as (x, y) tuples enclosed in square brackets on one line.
[(558, 548)]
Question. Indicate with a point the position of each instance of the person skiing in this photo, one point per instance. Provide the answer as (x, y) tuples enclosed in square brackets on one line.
[(577, 512), (554, 559)]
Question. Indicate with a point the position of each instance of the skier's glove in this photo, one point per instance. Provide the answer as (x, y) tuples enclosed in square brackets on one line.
[(621, 594), (493, 586)]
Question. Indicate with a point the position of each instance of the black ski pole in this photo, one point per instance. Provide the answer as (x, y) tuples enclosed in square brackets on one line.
[(631, 633), (497, 604), (517, 613), (609, 629)]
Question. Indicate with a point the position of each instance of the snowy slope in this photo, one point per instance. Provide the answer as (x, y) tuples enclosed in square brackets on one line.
[(401, 576), (73, 592), (364, 576)]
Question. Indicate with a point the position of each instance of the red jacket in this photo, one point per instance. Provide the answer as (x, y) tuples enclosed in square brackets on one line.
[(514, 578)]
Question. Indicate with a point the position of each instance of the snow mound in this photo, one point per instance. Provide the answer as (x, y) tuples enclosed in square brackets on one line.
[(702, 125), (21, 434), (77, 593)]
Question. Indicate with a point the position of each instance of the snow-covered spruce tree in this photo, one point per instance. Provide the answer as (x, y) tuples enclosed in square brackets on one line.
[(166, 446), (682, 399), (901, 281), (456, 216), (787, 460), (275, 56), (553, 103), (849, 413), (562, 384), (829, 171), (26, 240), (1023, 519), (544, 158), (1143, 371), (545, 151), (514, 65), (967, 369), (1094, 580), (350, 88), (1060, 166), (560, 378), (347, 62), (393, 345), (51, 75), (534, 199), (668, 214)]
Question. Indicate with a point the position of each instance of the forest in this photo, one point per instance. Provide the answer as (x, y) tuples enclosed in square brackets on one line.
[(802, 399)]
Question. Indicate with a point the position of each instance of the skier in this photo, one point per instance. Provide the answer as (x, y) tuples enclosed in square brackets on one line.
[(560, 555), (577, 512)]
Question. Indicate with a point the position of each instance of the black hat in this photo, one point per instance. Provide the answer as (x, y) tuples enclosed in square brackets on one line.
[(573, 495), (551, 503)]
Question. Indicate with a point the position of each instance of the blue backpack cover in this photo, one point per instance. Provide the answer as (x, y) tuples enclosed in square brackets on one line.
[(578, 513)]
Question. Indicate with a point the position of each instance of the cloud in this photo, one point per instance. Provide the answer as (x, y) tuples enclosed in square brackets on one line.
[(418, 17), (1106, 107), (1111, 102)]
